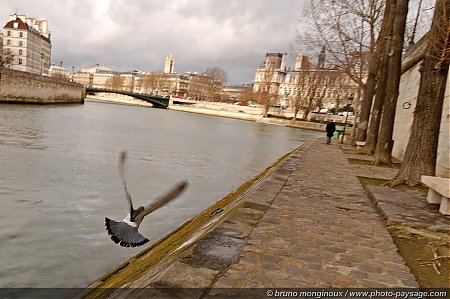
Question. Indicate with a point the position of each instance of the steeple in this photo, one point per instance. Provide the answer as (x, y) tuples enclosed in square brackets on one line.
[(169, 65)]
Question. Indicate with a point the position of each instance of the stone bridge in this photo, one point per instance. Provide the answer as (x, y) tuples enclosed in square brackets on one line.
[(157, 102)]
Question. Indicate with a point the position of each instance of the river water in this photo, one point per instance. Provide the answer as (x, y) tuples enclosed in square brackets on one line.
[(59, 179)]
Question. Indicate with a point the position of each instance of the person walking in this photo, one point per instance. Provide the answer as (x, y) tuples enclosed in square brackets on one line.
[(331, 127)]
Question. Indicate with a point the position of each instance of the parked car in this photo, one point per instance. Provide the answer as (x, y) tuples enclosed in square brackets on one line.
[(345, 113)]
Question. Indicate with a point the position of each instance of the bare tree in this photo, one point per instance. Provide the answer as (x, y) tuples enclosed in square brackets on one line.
[(205, 88), (117, 82), (348, 29), (316, 87), (268, 87), (248, 95), (215, 80), (385, 143), (6, 58), (159, 83), (421, 151), (149, 83), (382, 74), (217, 74), (300, 96), (372, 75)]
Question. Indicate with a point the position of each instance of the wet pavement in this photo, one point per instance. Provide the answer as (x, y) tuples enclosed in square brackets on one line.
[(310, 224)]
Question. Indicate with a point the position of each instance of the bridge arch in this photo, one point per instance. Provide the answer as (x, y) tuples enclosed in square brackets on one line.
[(157, 102)]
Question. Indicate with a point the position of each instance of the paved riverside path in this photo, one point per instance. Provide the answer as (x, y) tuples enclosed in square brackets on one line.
[(321, 230), (310, 224)]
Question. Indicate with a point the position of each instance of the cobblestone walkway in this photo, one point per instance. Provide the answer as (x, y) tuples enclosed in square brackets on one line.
[(320, 231)]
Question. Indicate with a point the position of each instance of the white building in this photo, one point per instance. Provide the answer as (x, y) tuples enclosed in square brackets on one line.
[(96, 76), (28, 41), (329, 87), (58, 72)]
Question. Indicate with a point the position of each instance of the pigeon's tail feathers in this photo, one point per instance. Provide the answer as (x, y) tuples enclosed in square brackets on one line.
[(124, 234)]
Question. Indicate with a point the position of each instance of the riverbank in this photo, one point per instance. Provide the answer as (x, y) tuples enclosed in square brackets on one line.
[(117, 99), (219, 110), (247, 113), (313, 222)]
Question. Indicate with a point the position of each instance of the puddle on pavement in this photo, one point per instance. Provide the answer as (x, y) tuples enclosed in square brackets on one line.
[(215, 251)]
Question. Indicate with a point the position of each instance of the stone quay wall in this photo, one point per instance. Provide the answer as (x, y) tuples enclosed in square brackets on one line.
[(26, 88)]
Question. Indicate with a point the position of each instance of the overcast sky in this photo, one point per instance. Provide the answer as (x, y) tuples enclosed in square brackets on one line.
[(139, 34)]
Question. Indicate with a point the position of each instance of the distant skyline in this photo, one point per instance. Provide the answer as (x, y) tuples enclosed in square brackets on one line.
[(139, 34)]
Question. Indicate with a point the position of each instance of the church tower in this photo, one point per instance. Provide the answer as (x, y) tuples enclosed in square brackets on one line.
[(169, 65)]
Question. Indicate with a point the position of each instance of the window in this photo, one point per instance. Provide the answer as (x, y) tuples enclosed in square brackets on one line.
[(20, 34), (20, 43), (20, 52), (8, 42), (8, 33), (20, 60)]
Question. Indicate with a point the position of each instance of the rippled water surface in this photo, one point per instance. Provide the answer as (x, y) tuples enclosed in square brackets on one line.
[(59, 179)]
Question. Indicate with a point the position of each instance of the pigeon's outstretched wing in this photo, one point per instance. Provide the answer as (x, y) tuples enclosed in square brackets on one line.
[(124, 234), (122, 161), (162, 200)]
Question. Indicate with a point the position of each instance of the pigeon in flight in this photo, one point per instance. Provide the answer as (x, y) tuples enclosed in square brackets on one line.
[(125, 233)]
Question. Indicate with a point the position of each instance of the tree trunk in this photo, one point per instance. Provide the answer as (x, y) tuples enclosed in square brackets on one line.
[(369, 88), (385, 143), (369, 91), (296, 109), (366, 106), (421, 151), (308, 107), (266, 105), (388, 25), (357, 108)]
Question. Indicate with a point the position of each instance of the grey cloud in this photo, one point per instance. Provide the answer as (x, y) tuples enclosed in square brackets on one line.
[(139, 34)]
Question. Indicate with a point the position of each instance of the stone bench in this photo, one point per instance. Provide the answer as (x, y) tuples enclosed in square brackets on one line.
[(438, 192), (360, 144)]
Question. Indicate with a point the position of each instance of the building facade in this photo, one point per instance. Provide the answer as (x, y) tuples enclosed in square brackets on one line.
[(162, 83), (234, 92), (27, 41), (58, 72), (312, 87)]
